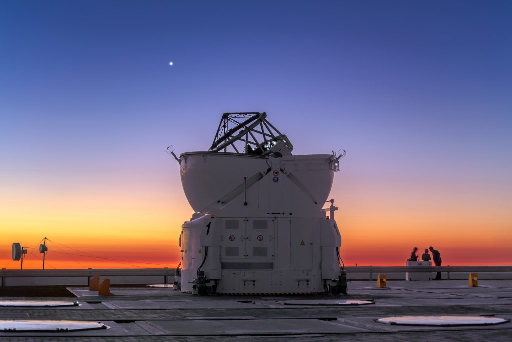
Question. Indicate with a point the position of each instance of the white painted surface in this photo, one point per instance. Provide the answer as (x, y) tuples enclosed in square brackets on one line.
[(36, 303), (49, 325), (442, 320), (161, 285), (333, 302)]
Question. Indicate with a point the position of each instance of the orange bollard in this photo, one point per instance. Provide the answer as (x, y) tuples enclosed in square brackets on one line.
[(473, 280), (105, 288), (381, 281), (94, 284)]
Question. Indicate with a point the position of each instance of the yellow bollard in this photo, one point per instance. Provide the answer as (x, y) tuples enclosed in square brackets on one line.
[(473, 280), (381, 281)]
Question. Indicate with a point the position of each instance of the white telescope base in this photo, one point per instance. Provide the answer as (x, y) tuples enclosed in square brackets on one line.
[(260, 255), (263, 282)]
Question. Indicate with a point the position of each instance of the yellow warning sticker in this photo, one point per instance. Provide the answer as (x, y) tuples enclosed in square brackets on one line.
[(302, 243), (200, 251)]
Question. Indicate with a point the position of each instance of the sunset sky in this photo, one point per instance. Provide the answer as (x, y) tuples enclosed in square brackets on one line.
[(419, 93)]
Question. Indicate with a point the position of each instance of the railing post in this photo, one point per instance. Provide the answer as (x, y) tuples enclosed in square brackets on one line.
[(89, 278), (371, 273), (3, 269), (165, 276), (448, 271)]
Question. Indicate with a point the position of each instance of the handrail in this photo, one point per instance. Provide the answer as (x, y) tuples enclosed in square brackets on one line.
[(445, 269), (87, 273), (448, 268), (168, 272)]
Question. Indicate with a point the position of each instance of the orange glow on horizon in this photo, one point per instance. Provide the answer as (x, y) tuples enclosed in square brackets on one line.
[(125, 224)]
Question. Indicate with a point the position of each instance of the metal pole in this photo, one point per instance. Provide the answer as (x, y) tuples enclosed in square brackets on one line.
[(44, 254), (89, 277)]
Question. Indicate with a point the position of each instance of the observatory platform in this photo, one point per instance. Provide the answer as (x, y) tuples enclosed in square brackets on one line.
[(161, 314)]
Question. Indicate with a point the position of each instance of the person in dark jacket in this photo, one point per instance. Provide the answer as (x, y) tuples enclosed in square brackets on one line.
[(414, 256), (436, 256), (426, 256)]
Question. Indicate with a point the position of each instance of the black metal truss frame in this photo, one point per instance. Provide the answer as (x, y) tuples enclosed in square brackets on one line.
[(256, 133)]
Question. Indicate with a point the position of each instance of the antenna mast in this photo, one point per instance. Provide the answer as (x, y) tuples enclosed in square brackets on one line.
[(43, 249), (18, 252)]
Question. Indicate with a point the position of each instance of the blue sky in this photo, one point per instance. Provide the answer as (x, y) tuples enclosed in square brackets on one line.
[(419, 93)]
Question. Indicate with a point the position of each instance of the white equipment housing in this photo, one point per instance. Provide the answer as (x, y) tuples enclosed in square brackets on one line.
[(258, 225)]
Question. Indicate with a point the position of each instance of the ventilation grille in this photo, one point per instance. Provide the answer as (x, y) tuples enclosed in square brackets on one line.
[(259, 251), (231, 251), (232, 224), (260, 224), (247, 265)]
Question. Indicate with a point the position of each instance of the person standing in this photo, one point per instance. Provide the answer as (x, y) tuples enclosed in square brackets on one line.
[(436, 256), (414, 256)]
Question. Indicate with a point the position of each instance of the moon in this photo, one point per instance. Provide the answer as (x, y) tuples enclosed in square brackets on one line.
[(171, 63)]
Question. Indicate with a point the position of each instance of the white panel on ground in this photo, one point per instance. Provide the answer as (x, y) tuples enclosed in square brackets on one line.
[(328, 302), (49, 325), (37, 303), (442, 320), (161, 285)]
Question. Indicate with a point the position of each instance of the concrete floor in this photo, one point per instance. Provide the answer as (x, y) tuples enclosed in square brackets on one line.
[(161, 314)]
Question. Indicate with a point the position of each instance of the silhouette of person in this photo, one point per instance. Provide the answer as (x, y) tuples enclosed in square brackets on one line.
[(426, 256), (436, 256), (414, 256)]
